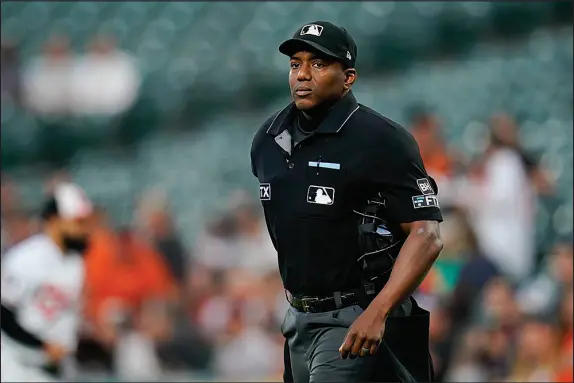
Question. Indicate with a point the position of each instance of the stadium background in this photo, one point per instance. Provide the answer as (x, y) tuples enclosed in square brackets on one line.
[(151, 107)]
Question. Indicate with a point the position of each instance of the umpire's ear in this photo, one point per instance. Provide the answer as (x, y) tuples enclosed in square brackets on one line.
[(350, 77)]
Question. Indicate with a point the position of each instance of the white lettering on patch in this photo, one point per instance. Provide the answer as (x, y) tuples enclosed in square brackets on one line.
[(425, 186), (265, 192), (421, 201)]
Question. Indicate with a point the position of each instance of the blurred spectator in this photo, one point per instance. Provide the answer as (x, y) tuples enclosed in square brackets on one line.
[(501, 204), (505, 132), (237, 320), (536, 352), (476, 272), (564, 367), (234, 318), (47, 79), (441, 340), (105, 80), (242, 312), (101, 322), (215, 247), (461, 270), (495, 356), (16, 223), (128, 288), (123, 270), (10, 199), (10, 72), (541, 294), (484, 353), (17, 226), (155, 221), (497, 307), (466, 366), (505, 346), (425, 127), (251, 353), (257, 253)]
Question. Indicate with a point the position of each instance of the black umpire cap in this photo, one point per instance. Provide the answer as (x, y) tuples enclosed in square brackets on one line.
[(326, 38)]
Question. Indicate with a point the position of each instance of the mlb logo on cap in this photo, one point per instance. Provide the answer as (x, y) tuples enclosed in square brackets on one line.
[(311, 29), (324, 38)]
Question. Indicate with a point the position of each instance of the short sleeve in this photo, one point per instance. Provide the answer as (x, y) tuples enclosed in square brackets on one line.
[(253, 170), (257, 143), (398, 174), (253, 153)]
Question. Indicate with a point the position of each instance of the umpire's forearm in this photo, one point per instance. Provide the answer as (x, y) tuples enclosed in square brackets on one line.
[(419, 252)]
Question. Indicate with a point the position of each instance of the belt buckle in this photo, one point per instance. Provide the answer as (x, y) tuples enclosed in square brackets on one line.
[(305, 302)]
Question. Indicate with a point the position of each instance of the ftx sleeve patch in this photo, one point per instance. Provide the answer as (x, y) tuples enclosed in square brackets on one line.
[(420, 201), (265, 192)]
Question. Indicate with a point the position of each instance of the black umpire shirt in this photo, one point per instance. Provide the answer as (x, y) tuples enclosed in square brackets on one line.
[(309, 191)]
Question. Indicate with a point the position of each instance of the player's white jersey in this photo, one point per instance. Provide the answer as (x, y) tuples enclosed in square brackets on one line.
[(43, 287)]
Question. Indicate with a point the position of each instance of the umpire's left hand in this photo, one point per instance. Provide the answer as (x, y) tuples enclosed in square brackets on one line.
[(365, 335)]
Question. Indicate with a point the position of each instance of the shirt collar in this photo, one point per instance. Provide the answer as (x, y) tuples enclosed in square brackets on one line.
[(333, 123)]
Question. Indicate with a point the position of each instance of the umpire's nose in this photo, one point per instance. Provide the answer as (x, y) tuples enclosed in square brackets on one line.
[(304, 72)]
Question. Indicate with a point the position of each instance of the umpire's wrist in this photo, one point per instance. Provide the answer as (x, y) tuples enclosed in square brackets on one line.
[(383, 303)]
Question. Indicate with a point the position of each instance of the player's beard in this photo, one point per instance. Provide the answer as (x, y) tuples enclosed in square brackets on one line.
[(75, 243)]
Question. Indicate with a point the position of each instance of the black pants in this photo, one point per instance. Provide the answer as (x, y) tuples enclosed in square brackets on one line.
[(313, 340)]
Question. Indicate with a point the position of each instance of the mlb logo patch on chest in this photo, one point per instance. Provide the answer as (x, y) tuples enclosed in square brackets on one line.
[(265, 192), (321, 195)]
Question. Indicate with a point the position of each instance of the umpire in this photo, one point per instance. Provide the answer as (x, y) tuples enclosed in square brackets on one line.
[(354, 218)]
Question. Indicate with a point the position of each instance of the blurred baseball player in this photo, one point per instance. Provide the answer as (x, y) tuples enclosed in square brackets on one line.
[(42, 280)]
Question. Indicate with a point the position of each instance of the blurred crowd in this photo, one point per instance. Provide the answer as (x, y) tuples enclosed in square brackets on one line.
[(70, 98), (498, 311), (153, 306), (102, 80)]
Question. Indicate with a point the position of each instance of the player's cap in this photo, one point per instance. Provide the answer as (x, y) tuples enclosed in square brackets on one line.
[(324, 37), (68, 201)]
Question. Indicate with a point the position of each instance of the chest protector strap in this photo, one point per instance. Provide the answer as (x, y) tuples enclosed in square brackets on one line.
[(379, 241)]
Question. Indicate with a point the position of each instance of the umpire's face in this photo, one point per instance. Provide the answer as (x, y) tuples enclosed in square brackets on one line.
[(317, 80)]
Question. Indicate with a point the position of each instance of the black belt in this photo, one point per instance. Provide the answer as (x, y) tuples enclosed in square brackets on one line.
[(336, 301)]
